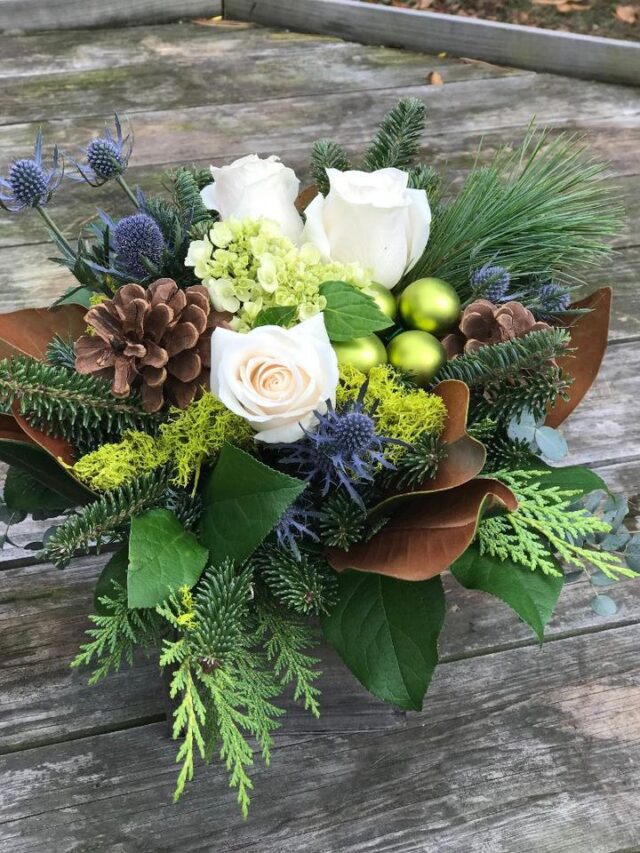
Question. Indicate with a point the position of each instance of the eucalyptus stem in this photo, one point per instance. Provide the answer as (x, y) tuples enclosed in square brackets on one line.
[(53, 227), (125, 186)]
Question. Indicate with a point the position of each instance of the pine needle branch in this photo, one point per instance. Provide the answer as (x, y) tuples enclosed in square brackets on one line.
[(396, 142), (327, 154)]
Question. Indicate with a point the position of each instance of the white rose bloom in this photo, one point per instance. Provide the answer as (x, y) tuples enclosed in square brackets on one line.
[(275, 378), (371, 218), (256, 188)]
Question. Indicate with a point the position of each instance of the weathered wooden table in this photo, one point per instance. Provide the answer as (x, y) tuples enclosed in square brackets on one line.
[(518, 748)]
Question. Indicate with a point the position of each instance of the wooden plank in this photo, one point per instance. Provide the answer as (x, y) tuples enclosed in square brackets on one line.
[(506, 44), (66, 14), (514, 752)]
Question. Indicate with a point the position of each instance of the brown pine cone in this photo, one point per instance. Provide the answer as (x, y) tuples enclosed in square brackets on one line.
[(157, 337), (483, 323)]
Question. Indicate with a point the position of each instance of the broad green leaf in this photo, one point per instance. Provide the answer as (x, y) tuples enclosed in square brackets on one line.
[(23, 492), (114, 570), (533, 595), (243, 500), (350, 313), (277, 315), (76, 296), (163, 556), (44, 468), (386, 631), (571, 477)]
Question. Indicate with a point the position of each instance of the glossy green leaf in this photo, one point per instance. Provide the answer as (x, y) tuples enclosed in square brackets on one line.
[(277, 315), (572, 477), (163, 556), (533, 595), (350, 313), (114, 570), (23, 492), (386, 631), (243, 500), (44, 468)]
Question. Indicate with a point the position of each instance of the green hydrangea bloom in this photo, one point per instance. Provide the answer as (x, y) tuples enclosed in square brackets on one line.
[(247, 266)]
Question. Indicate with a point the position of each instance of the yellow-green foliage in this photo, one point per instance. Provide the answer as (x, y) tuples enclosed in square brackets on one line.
[(403, 413), (196, 434)]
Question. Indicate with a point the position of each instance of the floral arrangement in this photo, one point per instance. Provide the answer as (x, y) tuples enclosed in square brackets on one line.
[(288, 413)]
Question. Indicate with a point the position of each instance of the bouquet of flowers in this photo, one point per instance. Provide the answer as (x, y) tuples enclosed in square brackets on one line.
[(287, 413)]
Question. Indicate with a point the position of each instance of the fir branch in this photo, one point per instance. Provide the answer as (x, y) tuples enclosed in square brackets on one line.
[(532, 390), (544, 210), (498, 362), (116, 635), (305, 585), (105, 519), (60, 353), (418, 463), (285, 638), (342, 521), (545, 524), (396, 142), (327, 154), (186, 193), (80, 409)]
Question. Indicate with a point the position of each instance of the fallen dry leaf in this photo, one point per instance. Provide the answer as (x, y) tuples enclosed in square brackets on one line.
[(627, 14), (434, 79)]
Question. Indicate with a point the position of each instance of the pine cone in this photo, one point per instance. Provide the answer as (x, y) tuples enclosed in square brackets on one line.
[(157, 337), (483, 323)]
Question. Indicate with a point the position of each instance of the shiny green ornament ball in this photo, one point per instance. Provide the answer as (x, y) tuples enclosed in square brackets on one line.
[(361, 353), (384, 299), (418, 353), (429, 304)]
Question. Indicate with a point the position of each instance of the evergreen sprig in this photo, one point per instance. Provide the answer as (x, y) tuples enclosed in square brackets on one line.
[(60, 353), (342, 521), (532, 390), (106, 518), (305, 585), (81, 409), (116, 635), (187, 183), (327, 154), (506, 360), (397, 140), (544, 209)]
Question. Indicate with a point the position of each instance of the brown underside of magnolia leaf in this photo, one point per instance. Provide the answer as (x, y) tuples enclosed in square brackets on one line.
[(10, 429), (427, 534), (589, 334), (305, 197), (29, 331), (56, 447)]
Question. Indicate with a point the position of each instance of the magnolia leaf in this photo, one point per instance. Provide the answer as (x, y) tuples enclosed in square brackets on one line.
[(532, 594), (350, 313), (277, 315), (114, 570), (29, 331), (163, 557), (44, 468), (305, 197), (243, 500), (59, 448), (432, 530), (23, 492), (589, 333), (386, 631)]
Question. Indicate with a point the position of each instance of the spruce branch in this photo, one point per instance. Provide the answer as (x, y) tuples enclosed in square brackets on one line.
[(305, 585), (187, 183), (327, 154), (418, 463), (532, 390), (105, 519), (397, 140), (60, 353), (81, 409)]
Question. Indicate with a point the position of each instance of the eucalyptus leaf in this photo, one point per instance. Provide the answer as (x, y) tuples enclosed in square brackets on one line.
[(615, 510), (522, 427), (632, 554), (163, 557), (243, 500), (599, 578), (551, 443), (386, 631), (532, 594), (350, 313), (603, 605), (615, 541)]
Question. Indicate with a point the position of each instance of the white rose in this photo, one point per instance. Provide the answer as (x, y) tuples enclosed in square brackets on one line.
[(253, 188), (371, 218), (275, 378)]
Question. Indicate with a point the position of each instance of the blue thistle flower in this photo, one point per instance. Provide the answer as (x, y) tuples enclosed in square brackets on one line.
[(107, 156), (294, 526), (551, 298), (29, 182), (491, 282), (137, 238), (343, 451)]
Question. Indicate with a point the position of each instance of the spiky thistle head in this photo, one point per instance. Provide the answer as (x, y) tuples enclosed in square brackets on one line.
[(137, 238), (30, 183), (491, 282), (550, 299), (295, 525), (344, 450), (106, 156)]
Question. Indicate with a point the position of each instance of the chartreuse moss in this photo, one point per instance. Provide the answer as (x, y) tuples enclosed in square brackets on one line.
[(403, 413), (195, 434)]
